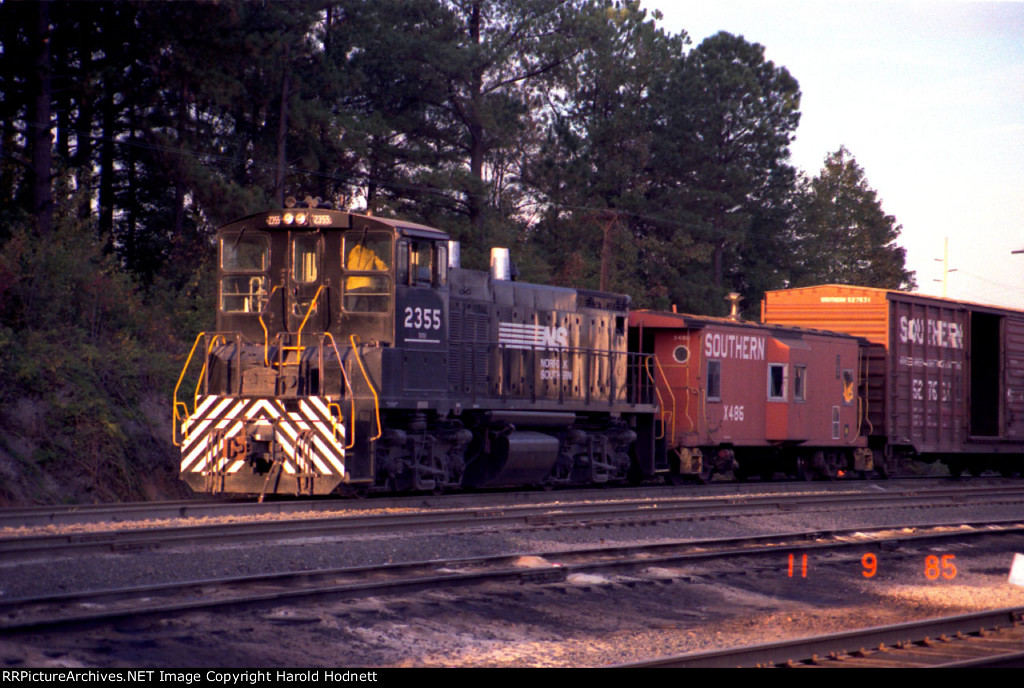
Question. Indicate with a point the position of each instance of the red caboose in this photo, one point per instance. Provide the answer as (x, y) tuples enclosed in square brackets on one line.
[(755, 398)]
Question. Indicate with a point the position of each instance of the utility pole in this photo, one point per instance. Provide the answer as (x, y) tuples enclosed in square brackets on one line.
[(945, 266)]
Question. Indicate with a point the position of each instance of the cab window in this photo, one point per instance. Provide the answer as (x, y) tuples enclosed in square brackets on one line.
[(422, 263), (421, 260), (366, 258), (304, 259), (244, 260), (245, 252)]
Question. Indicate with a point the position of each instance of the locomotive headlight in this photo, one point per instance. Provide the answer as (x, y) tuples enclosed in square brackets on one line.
[(289, 218), (300, 218)]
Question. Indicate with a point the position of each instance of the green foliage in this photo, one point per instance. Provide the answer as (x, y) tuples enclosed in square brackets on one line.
[(845, 237), (727, 118), (79, 344)]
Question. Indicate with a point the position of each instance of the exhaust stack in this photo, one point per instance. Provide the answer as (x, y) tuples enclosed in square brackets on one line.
[(501, 264), (734, 299)]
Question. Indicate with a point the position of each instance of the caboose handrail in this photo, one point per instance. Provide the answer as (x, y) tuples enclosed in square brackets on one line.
[(668, 388)]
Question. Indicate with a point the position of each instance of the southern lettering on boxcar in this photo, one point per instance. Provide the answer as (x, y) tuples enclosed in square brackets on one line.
[(945, 378)]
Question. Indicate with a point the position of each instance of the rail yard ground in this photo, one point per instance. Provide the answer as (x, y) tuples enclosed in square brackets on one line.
[(584, 620)]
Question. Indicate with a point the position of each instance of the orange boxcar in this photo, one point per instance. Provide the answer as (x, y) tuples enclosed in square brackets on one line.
[(945, 378)]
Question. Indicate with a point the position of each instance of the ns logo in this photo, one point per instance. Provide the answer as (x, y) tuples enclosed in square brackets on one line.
[(529, 336), (554, 336)]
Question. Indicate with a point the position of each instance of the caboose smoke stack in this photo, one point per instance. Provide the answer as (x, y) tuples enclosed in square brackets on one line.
[(734, 299), (501, 264)]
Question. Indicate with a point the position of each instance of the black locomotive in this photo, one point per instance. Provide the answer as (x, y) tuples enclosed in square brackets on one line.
[(351, 354)]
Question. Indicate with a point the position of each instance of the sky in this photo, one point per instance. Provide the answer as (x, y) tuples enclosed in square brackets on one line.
[(928, 97)]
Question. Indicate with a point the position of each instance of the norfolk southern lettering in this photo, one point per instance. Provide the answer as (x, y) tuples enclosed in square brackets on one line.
[(741, 346)]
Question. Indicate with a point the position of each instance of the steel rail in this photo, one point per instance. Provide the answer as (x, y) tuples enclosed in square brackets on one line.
[(124, 538), (17, 517), (91, 607), (987, 638)]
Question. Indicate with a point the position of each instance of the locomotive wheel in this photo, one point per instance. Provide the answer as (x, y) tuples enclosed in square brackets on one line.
[(707, 471)]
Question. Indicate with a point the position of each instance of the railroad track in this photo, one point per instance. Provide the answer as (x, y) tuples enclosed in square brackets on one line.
[(202, 507), (128, 536), (65, 611), (985, 639)]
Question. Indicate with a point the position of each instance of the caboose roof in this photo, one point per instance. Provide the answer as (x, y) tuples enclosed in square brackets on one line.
[(665, 320)]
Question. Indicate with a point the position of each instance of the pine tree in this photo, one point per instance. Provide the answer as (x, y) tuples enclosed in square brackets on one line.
[(844, 236), (728, 117)]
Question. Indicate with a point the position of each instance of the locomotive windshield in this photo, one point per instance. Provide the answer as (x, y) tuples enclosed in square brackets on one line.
[(244, 259), (304, 258), (367, 262)]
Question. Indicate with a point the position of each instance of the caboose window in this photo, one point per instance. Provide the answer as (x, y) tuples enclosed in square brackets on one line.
[(776, 382), (714, 384), (849, 391), (800, 383)]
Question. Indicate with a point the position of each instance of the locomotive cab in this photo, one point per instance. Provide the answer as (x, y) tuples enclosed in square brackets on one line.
[(311, 303)]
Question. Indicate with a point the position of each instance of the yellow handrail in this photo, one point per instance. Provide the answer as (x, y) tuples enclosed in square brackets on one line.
[(206, 363), (309, 311), (298, 348), (174, 400), (266, 335), (668, 388), (376, 399), (351, 396)]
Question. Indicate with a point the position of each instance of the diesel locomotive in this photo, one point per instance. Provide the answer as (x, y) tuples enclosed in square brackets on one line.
[(352, 353)]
